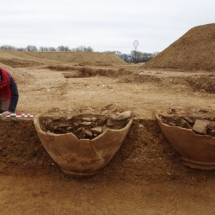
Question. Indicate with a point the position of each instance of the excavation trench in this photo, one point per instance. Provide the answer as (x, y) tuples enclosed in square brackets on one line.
[(145, 154)]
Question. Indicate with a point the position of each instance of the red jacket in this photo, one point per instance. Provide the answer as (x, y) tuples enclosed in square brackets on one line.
[(5, 92), (8, 89)]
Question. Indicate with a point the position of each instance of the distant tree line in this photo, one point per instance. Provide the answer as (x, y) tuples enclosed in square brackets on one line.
[(134, 57), (32, 48)]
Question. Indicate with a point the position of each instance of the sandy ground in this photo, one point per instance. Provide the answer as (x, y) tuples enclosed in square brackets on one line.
[(46, 89), (145, 177)]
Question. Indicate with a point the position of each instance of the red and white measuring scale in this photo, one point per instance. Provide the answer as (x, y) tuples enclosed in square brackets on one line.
[(21, 115)]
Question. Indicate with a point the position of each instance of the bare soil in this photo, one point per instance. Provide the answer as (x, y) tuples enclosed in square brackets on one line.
[(146, 176), (195, 50)]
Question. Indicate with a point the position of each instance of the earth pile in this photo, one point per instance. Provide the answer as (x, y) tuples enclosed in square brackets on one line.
[(195, 50)]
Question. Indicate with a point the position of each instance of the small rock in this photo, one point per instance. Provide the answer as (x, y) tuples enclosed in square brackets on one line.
[(69, 128), (88, 133), (203, 111), (110, 122), (86, 123), (87, 111), (104, 112), (93, 119), (185, 124), (109, 106), (104, 127), (171, 110), (80, 129), (123, 115), (76, 124), (172, 124), (97, 129), (211, 131), (200, 126), (211, 124), (189, 120), (63, 125), (87, 119)]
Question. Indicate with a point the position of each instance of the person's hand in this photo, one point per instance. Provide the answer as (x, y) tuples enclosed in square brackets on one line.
[(5, 113)]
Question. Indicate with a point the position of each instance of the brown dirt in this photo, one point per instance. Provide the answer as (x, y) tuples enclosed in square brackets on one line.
[(146, 176), (195, 50)]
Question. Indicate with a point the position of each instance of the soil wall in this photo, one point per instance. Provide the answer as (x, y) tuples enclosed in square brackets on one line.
[(144, 156)]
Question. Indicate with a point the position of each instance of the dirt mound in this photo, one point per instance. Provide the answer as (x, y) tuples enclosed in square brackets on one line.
[(27, 59), (17, 63), (195, 50), (18, 59), (82, 58)]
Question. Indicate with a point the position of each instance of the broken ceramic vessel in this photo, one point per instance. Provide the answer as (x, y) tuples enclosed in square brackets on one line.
[(81, 157), (196, 150)]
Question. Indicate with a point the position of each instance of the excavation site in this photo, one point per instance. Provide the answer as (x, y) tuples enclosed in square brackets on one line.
[(102, 136)]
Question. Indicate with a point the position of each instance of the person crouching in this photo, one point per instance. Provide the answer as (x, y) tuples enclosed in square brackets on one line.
[(8, 93)]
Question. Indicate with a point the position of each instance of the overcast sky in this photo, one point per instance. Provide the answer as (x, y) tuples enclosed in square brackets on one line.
[(104, 25)]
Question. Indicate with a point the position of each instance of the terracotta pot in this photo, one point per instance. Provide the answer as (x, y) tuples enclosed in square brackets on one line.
[(82, 157), (197, 151)]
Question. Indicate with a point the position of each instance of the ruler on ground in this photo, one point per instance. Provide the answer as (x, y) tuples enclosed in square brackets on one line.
[(21, 115)]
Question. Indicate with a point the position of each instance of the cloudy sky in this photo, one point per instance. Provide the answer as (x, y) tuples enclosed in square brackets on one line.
[(103, 25)]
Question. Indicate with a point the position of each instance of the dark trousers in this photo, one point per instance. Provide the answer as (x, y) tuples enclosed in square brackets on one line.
[(4, 105)]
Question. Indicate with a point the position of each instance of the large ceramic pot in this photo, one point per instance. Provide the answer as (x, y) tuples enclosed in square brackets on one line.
[(81, 157), (196, 150)]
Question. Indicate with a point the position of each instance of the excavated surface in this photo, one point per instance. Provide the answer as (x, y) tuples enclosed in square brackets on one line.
[(146, 176)]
